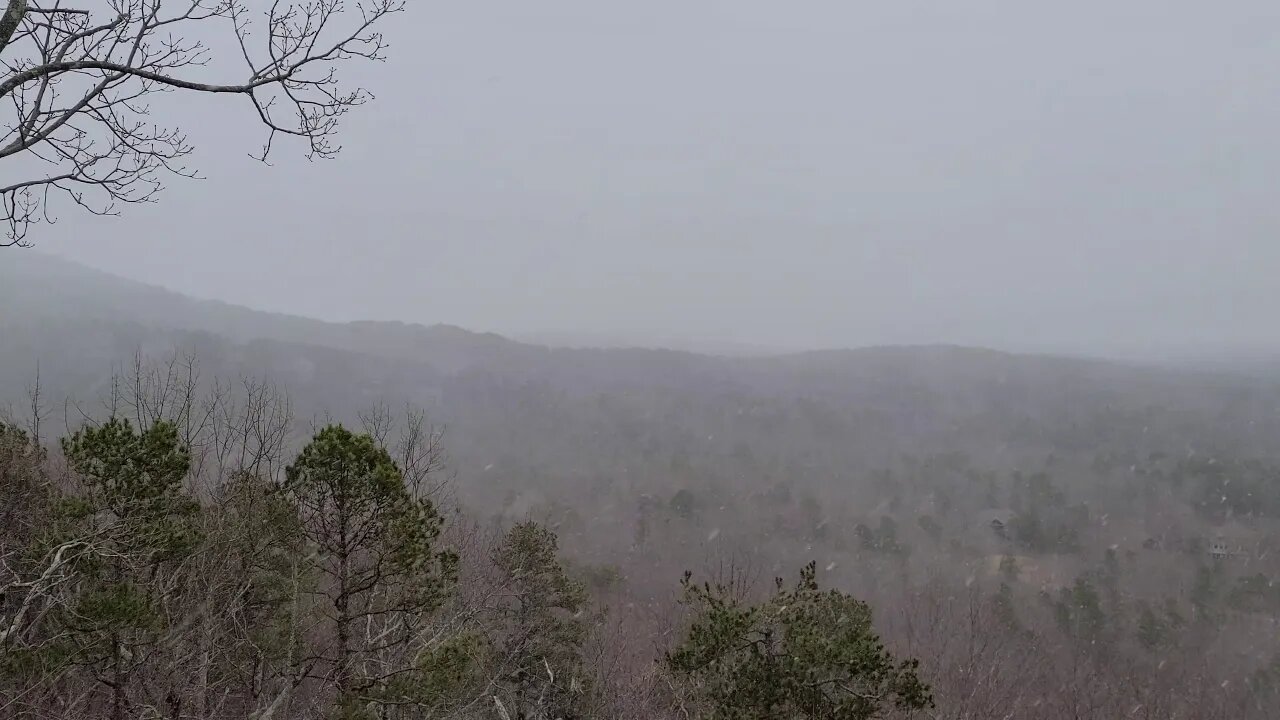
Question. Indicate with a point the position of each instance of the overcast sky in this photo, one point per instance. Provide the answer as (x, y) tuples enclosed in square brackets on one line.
[(1093, 176)]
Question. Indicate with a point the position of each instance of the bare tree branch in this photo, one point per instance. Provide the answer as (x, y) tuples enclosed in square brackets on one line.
[(75, 85)]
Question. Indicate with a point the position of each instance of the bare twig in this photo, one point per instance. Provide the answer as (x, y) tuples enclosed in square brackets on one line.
[(75, 84)]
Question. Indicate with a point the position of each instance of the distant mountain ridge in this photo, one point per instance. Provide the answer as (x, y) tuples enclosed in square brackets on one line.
[(41, 286), (564, 413), (603, 341)]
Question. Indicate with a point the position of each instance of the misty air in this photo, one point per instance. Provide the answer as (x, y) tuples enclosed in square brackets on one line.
[(387, 360)]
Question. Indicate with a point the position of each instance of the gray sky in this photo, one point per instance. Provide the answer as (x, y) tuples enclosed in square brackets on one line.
[(1094, 176)]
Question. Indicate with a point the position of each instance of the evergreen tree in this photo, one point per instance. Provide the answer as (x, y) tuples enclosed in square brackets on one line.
[(541, 627), (887, 536), (684, 504), (805, 653), (1003, 604), (1205, 589), (930, 526), (1009, 569), (134, 524), (376, 558), (23, 491), (257, 562), (1155, 633), (1079, 611)]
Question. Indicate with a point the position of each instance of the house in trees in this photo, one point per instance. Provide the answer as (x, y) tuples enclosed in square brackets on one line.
[(1235, 540), (995, 523), (1218, 548)]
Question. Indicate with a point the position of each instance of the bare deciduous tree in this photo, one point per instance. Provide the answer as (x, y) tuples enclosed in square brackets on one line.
[(77, 81)]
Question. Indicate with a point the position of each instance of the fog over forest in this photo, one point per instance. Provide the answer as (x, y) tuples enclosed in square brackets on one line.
[(1091, 179), (677, 361), (1094, 538)]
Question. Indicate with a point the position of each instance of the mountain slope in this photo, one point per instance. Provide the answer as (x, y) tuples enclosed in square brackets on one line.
[(563, 414)]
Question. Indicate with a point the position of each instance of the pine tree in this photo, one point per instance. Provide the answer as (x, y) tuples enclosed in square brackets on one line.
[(1005, 609), (257, 565), (375, 555), (1153, 631), (805, 653), (135, 524), (1079, 613), (542, 626)]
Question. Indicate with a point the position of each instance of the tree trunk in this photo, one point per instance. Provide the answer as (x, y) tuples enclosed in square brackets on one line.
[(9, 22), (343, 605), (206, 659), (117, 679)]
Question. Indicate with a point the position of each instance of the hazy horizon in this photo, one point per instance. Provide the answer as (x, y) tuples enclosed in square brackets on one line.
[(64, 272), (955, 320), (1091, 180)]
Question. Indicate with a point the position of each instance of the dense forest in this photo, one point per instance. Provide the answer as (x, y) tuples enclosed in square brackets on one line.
[(213, 513)]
